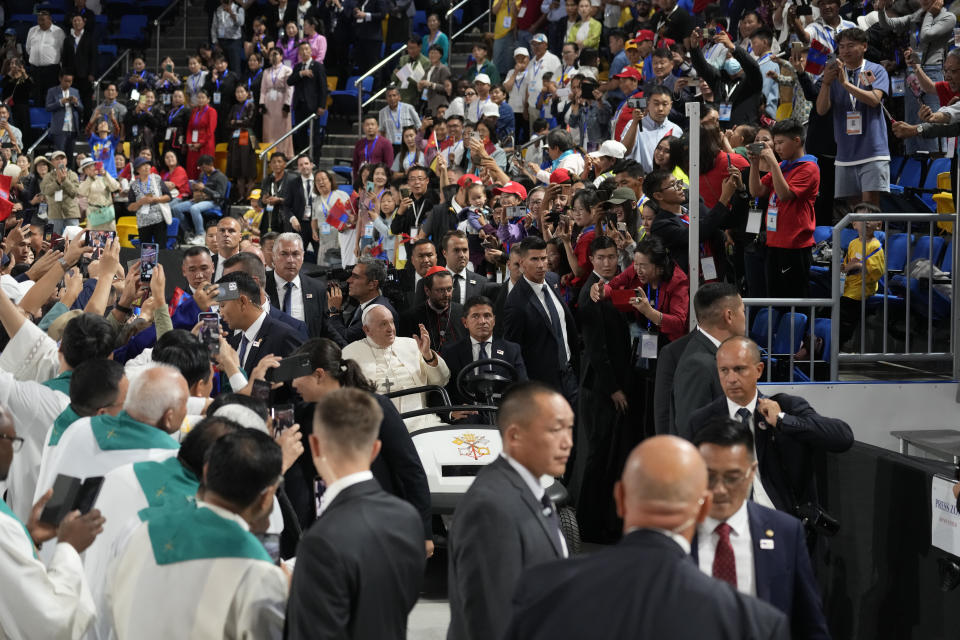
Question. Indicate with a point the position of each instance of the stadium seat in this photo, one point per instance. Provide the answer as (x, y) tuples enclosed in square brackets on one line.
[(897, 251), (346, 188), (760, 330), (781, 339), (217, 212), (321, 128), (419, 25), (896, 166), (946, 264), (39, 118), (127, 227), (345, 101), (822, 233), (910, 175), (821, 329), (847, 236), (172, 230), (921, 250), (132, 30)]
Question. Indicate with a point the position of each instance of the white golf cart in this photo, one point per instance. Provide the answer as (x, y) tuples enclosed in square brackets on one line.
[(453, 454)]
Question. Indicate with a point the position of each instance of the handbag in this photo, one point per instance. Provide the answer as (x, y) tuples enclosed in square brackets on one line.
[(164, 206), (97, 216)]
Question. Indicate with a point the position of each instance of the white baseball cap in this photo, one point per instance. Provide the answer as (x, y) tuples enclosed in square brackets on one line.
[(521, 51), (610, 149), (490, 109), (482, 77)]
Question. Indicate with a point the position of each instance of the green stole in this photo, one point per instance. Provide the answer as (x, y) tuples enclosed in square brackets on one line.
[(181, 533), (166, 482), (121, 432), (67, 417), (61, 383), (4, 508)]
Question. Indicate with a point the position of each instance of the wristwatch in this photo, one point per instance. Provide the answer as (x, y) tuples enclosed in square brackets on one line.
[(920, 128), (63, 264)]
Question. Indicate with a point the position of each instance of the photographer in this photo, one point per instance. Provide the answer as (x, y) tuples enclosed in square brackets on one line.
[(737, 86), (589, 115), (824, 29), (648, 125)]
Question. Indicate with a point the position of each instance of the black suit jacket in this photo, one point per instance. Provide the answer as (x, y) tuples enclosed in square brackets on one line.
[(695, 383), (453, 330), (644, 587), (459, 354), (279, 218), (786, 453), (667, 360), (526, 323), (361, 567), (499, 302), (299, 326), (349, 325), (475, 283), (296, 205), (274, 337), (370, 29), (606, 365), (309, 93), (498, 531), (80, 59), (314, 306), (783, 575), (406, 279)]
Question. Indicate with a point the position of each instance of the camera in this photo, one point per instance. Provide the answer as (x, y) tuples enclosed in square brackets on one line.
[(804, 8), (711, 32), (817, 520), (755, 147), (637, 103)]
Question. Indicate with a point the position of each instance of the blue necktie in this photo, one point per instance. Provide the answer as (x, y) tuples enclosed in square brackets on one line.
[(555, 325), (287, 304), (243, 349), (744, 415)]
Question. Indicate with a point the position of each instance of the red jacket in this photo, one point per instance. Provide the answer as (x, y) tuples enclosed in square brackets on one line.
[(672, 300)]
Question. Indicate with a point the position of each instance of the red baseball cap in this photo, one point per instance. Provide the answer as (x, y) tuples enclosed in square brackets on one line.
[(512, 187), (644, 34), (559, 176), (467, 177), (666, 42), (630, 72)]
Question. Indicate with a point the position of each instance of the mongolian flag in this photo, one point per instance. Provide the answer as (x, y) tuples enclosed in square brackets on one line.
[(337, 216), (817, 57)]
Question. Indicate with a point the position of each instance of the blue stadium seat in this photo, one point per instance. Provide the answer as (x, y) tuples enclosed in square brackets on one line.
[(910, 176), (821, 233), (897, 251), (847, 236), (346, 188), (345, 171), (938, 166), (781, 339), (217, 212), (921, 250), (132, 30), (321, 128), (346, 101), (947, 263), (39, 118), (896, 166), (172, 230), (759, 331), (419, 25), (821, 329)]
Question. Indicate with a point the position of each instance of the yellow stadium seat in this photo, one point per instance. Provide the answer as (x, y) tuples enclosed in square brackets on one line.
[(126, 227), (220, 157), (944, 200)]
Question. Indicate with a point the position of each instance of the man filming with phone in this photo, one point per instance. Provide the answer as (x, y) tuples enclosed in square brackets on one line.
[(649, 125)]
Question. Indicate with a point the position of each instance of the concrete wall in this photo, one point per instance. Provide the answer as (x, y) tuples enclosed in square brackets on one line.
[(874, 409)]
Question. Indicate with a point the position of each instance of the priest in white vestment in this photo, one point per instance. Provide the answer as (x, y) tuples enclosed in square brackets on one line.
[(49, 602), (194, 571), (396, 363), (35, 402)]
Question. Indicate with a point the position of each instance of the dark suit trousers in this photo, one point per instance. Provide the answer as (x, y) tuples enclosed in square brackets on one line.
[(601, 461), (64, 141), (301, 137)]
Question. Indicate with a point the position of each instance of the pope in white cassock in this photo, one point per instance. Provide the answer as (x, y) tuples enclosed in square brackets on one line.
[(195, 570), (48, 602), (394, 363)]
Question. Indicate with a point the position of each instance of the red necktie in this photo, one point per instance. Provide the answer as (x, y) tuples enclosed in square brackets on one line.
[(724, 564)]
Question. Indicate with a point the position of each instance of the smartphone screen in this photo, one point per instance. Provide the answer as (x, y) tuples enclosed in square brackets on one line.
[(261, 391), (210, 330), (98, 240), (282, 417), (149, 254), (47, 232)]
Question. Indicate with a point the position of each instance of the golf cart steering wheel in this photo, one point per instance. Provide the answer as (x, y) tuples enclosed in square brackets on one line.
[(483, 385)]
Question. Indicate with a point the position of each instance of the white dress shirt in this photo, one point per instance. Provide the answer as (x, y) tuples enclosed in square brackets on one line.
[(43, 46), (535, 487), (540, 289), (251, 335), (741, 542), (306, 185), (296, 303), (463, 283), (715, 342), (226, 26), (475, 346), (339, 485), (760, 495)]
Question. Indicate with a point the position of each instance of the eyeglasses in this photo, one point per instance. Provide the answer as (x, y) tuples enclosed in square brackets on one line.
[(469, 93), (730, 482), (16, 442), (677, 185)]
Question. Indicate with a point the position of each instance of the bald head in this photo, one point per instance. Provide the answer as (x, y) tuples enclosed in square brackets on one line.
[(744, 345), (158, 397), (664, 486)]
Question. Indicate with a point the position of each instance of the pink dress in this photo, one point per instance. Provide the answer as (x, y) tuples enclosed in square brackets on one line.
[(274, 94)]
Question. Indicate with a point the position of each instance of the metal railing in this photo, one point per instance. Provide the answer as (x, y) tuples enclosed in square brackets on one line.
[(37, 142), (275, 143), (486, 14), (886, 354), (159, 18), (770, 353), (123, 57), (358, 85)]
